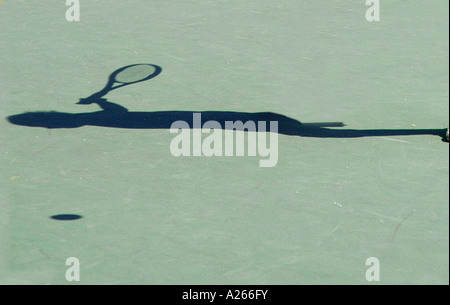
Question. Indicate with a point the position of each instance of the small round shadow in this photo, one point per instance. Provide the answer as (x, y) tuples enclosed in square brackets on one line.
[(66, 217)]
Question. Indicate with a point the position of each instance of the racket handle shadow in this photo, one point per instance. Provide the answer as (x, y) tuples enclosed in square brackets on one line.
[(94, 98)]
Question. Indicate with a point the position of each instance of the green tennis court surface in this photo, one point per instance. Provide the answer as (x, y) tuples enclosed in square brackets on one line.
[(104, 187)]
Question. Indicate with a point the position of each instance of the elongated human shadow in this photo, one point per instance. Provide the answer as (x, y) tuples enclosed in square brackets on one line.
[(115, 116)]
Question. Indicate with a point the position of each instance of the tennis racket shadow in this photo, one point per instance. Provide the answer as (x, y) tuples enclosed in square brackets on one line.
[(113, 115)]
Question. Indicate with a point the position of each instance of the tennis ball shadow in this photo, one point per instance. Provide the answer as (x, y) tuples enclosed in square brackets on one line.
[(66, 217)]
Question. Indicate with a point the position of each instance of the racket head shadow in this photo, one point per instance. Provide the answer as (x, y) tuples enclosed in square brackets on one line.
[(133, 74), (124, 76)]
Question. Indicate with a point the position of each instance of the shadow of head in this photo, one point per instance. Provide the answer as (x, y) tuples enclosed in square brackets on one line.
[(49, 119)]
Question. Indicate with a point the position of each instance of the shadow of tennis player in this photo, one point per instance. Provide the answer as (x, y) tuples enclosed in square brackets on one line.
[(116, 116)]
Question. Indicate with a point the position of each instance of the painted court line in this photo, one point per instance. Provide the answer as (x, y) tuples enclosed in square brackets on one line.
[(392, 139)]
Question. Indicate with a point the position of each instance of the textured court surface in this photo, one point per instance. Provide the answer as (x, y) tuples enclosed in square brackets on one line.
[(151, 218)]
